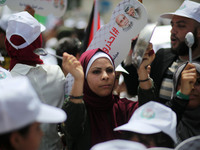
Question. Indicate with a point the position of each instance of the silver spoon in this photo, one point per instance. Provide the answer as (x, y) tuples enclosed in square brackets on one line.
[(189, 40), (43, 52)]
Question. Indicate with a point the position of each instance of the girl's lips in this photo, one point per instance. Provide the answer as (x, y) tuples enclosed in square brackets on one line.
[(106, 86)]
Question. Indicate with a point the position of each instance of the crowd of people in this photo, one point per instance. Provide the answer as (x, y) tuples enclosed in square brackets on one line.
[(72, 104)]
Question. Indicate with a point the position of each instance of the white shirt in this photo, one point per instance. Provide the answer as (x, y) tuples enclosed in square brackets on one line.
[(48, 81)]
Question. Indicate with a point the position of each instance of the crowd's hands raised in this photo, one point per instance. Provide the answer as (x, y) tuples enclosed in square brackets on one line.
[(188, 79), (144, 69)]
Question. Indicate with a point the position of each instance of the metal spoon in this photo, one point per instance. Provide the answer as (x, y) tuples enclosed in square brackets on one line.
[(43, 52), (189, 40)]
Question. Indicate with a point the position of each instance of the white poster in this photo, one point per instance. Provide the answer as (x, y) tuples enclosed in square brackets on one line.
[(41, 7), (127, 20)]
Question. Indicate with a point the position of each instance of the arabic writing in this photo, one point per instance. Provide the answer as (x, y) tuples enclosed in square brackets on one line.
[(113, 35), (33, 6), (115, 55)]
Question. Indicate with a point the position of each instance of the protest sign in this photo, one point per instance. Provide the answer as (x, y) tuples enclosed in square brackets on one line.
[(127, 20), (41, 7)]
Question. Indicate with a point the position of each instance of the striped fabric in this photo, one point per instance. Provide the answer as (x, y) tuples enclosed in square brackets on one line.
[(167, 83)]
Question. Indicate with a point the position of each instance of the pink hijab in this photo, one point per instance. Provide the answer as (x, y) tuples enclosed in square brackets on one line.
[(105, 113)]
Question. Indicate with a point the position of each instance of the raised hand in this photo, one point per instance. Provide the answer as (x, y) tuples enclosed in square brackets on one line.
[(144, 69), (71, 65), (148, 57), (188, 79)]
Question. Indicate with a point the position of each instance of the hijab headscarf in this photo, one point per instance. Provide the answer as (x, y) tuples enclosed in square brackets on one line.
[(189, 124), (105, 113), (24, 55)]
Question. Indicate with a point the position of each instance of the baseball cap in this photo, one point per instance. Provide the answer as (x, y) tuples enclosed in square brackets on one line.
[(25, 25), (188, 9), (152, 118), (20, 106), (119, 145), (192, 143)]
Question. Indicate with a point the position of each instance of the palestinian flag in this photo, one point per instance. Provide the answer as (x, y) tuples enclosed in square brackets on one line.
[(93, 26)]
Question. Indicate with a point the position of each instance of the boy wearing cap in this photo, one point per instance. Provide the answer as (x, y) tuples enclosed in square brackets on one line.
[(183, 20), (21, 113), (153, 125), (23, 36)]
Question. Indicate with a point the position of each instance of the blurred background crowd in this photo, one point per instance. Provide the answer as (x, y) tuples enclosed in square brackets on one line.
[(75, 20)]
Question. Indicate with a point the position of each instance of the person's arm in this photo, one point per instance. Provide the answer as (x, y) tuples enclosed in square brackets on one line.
[(180, 101), (73, 106), (146, 89), (144, 69), (72, 65)]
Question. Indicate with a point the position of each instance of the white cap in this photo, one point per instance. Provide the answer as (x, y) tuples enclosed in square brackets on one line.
[(152, 118), (20, 106), (188, 9), (119, 145), (24, 25), (160, 148), (119, 68), (4, 22), (192, 143)]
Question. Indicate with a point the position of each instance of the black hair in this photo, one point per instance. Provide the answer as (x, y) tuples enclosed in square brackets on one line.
[(70, 45), (159, 139), (5, 143)]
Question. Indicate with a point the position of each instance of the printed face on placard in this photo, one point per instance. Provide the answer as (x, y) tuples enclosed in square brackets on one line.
[(115, 37)]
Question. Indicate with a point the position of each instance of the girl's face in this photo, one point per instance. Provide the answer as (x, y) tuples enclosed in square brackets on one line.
[(195, 95), (31, 141), (101, 77)]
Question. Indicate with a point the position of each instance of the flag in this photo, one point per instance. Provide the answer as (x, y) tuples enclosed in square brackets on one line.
[(93, 26)]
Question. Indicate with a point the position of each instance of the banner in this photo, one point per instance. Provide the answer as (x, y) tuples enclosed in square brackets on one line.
[(41, 7), (127, 20)]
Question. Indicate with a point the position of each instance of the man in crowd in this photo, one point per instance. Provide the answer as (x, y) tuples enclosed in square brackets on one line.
[(183, 20)]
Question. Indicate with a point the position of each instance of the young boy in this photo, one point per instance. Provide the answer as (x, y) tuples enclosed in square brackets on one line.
[(21, 113)]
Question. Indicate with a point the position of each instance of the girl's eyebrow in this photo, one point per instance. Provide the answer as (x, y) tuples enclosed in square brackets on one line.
[(96, 68)]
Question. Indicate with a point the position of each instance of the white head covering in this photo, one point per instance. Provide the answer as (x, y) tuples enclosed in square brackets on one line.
[(96, 56)]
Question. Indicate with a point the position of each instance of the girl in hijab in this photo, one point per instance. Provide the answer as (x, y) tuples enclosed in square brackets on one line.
[(186, 100), (93, 111)]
